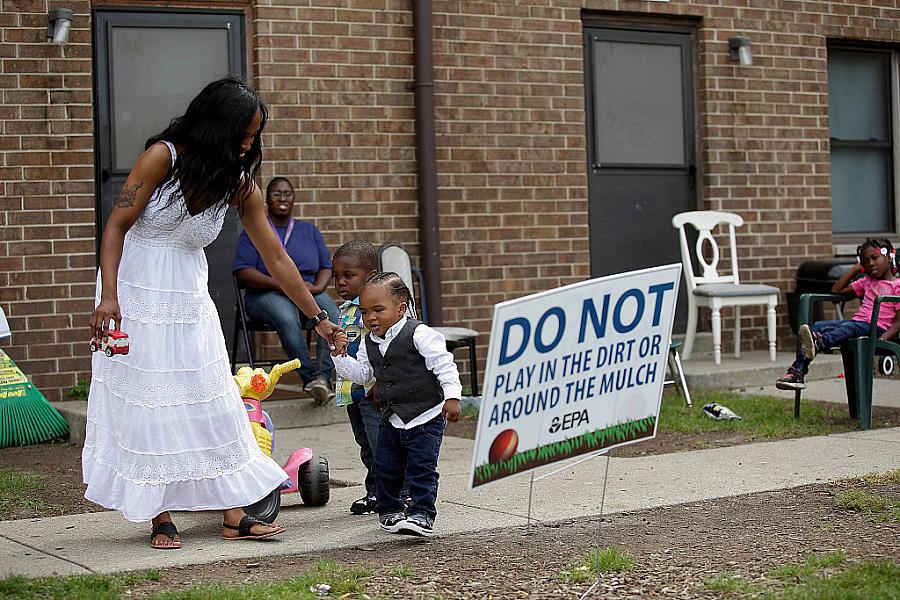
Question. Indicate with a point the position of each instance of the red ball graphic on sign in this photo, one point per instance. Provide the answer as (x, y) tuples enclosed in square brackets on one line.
[(504, 446)]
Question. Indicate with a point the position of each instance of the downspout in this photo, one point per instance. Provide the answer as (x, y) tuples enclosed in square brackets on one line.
[(426, 167)]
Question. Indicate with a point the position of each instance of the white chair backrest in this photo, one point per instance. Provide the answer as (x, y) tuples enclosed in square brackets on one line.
[(704, 221), (395, 258)]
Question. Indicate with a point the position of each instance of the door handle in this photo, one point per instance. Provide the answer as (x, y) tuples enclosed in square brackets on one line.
[(692, 176), (104, 174)]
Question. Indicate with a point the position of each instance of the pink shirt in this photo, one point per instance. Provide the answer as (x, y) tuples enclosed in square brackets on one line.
[(868, 288)]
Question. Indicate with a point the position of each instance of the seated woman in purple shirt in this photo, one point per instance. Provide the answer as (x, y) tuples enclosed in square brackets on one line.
[(265, 300)]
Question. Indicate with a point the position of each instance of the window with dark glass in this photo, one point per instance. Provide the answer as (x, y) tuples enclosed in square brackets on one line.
[(862, 142)]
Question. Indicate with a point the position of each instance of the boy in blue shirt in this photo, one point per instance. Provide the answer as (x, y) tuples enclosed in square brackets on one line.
[(352, 264)]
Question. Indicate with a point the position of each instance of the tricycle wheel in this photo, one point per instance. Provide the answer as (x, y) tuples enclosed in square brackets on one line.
[(267, 508), (886, 365), (314, 488), (109, 352)]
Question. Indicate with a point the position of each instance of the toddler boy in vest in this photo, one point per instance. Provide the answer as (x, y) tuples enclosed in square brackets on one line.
[(419, 392)]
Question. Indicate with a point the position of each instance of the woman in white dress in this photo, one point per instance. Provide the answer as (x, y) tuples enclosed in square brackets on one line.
[(167, 429)]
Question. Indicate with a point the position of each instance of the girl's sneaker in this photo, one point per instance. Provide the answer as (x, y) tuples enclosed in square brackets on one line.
[(810, 341), (364, 506), (792, 381), (392, 522), (417, 524)]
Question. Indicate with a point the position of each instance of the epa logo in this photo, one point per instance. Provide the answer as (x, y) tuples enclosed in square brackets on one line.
[(570, 420)]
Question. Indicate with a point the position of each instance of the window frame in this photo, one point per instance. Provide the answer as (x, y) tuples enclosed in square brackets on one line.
[(846, 243)]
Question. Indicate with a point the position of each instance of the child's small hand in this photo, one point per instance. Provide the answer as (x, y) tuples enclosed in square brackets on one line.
[(373, 396), (452, 410), (340, 341)]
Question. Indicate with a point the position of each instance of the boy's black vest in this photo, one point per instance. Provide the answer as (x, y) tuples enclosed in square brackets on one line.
[(405, 385)]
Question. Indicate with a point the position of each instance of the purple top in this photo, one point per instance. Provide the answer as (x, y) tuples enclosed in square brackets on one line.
[(306, 247)]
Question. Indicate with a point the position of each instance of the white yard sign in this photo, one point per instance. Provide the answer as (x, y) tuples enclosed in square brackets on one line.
[(574, 370)]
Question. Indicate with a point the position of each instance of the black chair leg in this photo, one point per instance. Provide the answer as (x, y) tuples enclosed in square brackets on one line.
[(234, 343), (249, 344), (473, 367)]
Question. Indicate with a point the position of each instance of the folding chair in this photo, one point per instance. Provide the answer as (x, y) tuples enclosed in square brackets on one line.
[(394, 257), (245, 327)]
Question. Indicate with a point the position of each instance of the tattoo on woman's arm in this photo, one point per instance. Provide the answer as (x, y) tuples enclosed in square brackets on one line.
[(129, 195)]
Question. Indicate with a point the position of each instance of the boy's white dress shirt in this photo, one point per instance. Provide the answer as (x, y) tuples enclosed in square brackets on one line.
[(431, 345)]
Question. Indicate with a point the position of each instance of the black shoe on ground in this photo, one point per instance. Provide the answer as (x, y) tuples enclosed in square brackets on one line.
[(810, 341), (417, 524), (364, 506), (392, 522), (792, 381)]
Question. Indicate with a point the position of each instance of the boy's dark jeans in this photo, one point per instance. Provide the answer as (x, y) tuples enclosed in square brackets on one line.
[(410, 454), (364, 421), (834, 333)]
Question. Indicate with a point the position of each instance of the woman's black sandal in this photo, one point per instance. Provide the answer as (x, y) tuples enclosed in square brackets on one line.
[(243, 528), (166, 528)]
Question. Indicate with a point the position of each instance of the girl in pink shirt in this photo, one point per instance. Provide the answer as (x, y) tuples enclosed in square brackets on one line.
[(878, 264)]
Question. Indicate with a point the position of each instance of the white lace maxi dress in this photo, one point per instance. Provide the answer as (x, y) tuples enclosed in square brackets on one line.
[(166, 427)]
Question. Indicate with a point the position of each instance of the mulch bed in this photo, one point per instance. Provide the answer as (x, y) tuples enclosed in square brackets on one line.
[(676, 549)]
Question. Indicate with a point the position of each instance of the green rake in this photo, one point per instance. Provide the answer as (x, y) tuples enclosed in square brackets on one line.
[(26, 417)]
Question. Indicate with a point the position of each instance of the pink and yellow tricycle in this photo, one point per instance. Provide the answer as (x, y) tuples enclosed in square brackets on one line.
[(308, 473)]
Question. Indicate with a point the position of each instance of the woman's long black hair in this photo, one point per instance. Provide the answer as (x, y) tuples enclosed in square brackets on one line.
[(210, 168)]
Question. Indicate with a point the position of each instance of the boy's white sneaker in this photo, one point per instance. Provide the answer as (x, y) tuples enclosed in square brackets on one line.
[(392, 522), (417, 524)]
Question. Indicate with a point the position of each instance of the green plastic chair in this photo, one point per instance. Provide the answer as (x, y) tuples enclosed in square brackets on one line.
[(858, 355)]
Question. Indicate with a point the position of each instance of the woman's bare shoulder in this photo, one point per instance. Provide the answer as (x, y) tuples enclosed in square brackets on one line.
[(253, 195)]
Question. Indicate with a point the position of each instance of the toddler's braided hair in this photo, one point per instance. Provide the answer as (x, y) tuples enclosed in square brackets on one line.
[(881, 245), (394, 285)]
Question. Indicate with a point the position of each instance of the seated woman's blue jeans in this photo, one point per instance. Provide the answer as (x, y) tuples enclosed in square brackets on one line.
[(834, 333), (278, 310)]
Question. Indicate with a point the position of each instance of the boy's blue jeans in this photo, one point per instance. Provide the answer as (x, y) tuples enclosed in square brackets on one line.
[(834, 333), (410, 454), (364, 421), (279, 311)]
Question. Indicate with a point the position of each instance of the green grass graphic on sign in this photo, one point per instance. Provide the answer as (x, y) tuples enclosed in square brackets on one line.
[(590, 441)]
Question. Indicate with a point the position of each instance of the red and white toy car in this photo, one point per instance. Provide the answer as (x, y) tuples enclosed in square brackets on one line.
[(116, 343)]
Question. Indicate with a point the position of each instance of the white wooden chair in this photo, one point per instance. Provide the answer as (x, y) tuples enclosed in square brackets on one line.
[(712, 290)]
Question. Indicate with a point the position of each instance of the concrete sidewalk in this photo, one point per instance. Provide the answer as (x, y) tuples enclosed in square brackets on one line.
[(105, 542)]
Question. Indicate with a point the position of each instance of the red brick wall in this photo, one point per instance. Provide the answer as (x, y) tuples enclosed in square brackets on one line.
[(764, 128), (510, 137), (47, 231), (511, 147)]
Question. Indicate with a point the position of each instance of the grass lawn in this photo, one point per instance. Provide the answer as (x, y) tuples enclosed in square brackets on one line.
[(820, 577), (761, 416), (333, 579)]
